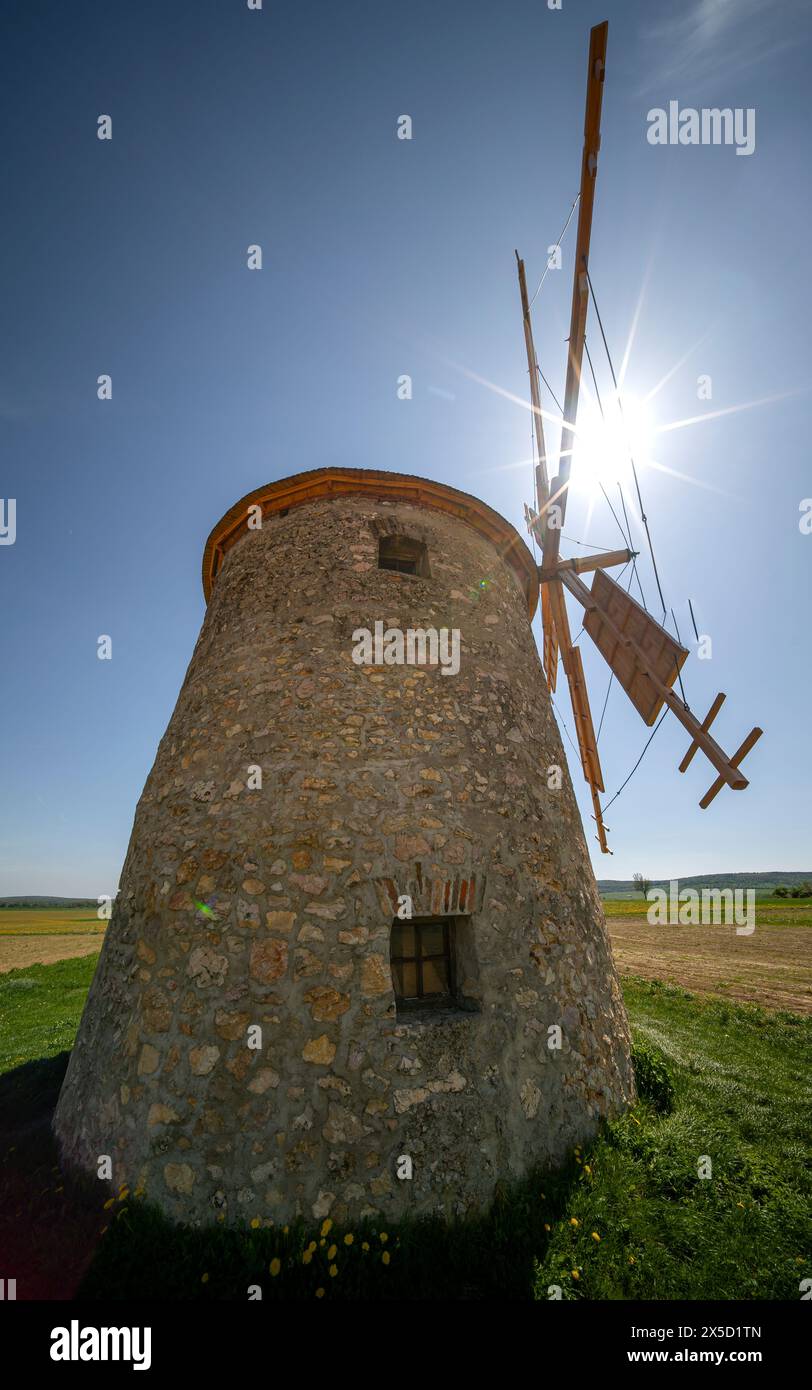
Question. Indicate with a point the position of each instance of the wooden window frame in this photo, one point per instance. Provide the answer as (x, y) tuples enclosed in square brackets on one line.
[(447, 955)]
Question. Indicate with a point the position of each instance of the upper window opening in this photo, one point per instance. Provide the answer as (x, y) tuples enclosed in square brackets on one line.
[(403, 555)]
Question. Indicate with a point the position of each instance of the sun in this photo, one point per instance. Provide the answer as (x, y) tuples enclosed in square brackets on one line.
[(606, 443)]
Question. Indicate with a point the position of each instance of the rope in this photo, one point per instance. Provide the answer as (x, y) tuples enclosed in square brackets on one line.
[(611, 673), (549, 388), (605, 703), (637, 764), (626, 538), (627, 534), (643, 516), (679, 673), (561, 721), (594, 378), (557, 247), (604, 549), (634, 562)]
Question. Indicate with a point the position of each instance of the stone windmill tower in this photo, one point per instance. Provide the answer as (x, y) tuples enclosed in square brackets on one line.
[(357, 934)]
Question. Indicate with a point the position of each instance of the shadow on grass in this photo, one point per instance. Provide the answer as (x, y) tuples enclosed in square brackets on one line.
[(49, 1223), (488, 1256), (60, 1241)]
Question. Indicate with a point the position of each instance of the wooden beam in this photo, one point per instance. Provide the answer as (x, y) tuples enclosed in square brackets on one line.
[(584, 729), (598, 819), (542, 481), (586, 563), (549, 647), (580, 289), (706, 723), (752, 738), (549, 653), (726, 767)]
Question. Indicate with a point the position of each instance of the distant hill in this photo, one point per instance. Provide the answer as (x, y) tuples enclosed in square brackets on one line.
[(763, 882), (35, 900)]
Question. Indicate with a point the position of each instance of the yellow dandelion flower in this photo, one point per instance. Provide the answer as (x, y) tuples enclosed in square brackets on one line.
[(275, 1266), (364, 1244), (574, 1221), (384, 1237), (348, 1239), (385, 1257), (123, 1193), (204, 1278), (111, 1201), (546, 1227), (285, 1229), (312, 1247), (595, 1236), (322, 1241), (632, 1260), (319, 1293), (575, 1274), (333, 1271), (331, 1253), (587, 1169), (307, 1257), (326, 1226), (256, 1222)]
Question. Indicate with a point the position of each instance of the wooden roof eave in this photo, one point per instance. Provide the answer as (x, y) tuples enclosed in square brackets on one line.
[(325, 483)]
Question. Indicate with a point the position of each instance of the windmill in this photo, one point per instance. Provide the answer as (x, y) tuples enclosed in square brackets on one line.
[(644, 657)]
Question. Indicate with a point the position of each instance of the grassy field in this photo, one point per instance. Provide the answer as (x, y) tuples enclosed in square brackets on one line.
[(740, 1081), (41, 935), (773, 967), (770, 911), (40, 1008)]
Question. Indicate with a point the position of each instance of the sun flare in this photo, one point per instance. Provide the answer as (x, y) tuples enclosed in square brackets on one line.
[(605, 444)]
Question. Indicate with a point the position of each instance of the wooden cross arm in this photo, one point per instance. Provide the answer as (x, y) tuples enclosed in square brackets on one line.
[(585, 564), (752, 738), (706, 723)]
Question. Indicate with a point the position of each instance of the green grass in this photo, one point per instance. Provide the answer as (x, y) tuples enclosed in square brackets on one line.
[(40, 1008), (770, 911), (741, 1095), (51, 921)]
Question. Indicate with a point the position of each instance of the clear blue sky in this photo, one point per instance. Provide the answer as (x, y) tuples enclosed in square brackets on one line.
[(384, 257)]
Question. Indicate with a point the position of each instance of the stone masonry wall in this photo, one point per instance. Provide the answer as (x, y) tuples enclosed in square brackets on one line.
[(376, 781)]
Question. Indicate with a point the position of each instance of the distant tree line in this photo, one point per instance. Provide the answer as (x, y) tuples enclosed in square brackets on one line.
[(800, 890), (14, 903)]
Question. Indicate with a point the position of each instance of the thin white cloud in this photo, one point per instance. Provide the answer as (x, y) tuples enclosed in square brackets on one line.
[(713, 40)]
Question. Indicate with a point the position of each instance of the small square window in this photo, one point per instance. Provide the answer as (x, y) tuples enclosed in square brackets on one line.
[(403, 555), (422, 955)]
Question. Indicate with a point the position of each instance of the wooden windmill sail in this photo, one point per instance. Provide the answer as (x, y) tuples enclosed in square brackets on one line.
[(644, 657)]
